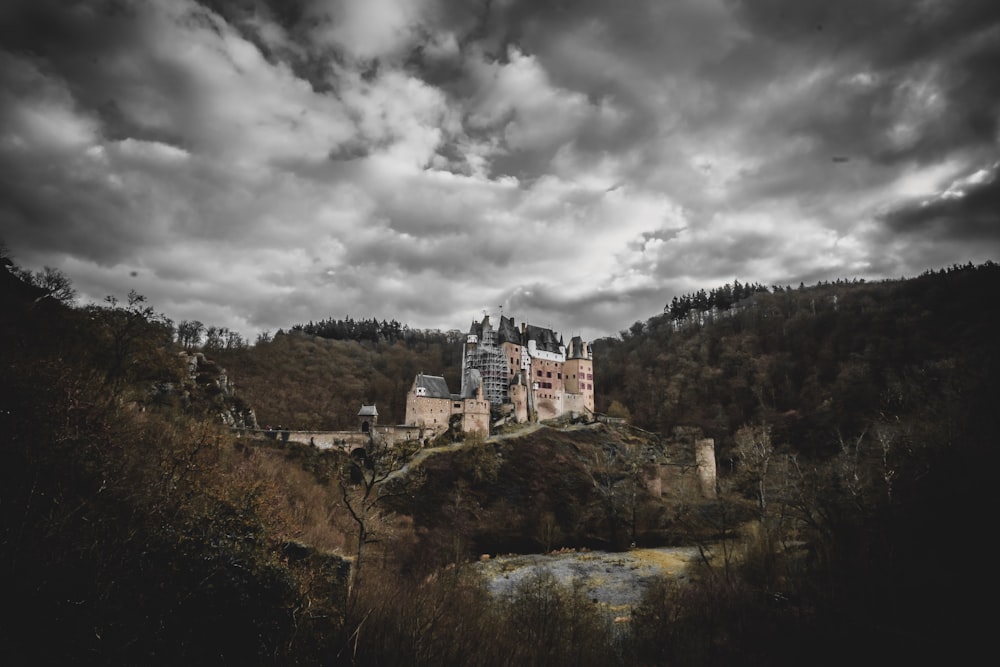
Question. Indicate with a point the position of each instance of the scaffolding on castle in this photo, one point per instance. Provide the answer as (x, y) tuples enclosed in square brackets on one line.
[(489, 360)]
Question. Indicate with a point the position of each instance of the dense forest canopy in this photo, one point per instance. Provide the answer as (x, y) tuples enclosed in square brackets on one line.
[(816, 363)]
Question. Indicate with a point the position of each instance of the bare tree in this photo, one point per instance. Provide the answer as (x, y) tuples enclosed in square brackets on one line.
[(617, 476), (56, 283), (131, 330), (189, 333), (753, 444), (606, 476), (371, 476)]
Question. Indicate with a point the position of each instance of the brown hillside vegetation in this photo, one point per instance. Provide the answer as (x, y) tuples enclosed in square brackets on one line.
[(856, 437), (307, 382), (544, 490), (817, 364)]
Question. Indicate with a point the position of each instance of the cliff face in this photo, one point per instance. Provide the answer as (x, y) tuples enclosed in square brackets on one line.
[(208, 380)]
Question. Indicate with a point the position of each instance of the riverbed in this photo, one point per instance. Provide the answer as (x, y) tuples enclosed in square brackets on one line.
[(615, 580)]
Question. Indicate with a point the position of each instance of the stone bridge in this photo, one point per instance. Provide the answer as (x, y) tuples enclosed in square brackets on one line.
[(344, 440)]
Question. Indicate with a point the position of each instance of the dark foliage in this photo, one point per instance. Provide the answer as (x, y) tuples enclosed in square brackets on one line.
[(876, 429), (537, 492), (371, 330), (856, 425), (127, 535), (815, 363), (304, 381)]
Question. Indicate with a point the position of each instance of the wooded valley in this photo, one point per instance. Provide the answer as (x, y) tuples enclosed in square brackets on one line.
[(855, 426)]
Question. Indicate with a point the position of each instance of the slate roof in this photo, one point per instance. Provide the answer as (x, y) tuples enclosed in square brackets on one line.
[(473, 378), (505, 332), (368, 411), (434, 384), (508, 332), (545, 339)]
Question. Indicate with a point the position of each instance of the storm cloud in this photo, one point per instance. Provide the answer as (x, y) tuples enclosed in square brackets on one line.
[(256, 164)]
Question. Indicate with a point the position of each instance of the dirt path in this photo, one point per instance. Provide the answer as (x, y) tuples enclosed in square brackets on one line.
[(422, 454)]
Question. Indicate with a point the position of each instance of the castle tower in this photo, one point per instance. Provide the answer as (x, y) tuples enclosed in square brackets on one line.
[(482, 353), (367, 418)]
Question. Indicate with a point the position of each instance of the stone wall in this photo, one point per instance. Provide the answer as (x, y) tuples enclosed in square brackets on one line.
[(476, 416), (431, 414), (323, 439), (547, 404), (687, 470), (579, 403), (346, 440), (704, 453), (519, 399)]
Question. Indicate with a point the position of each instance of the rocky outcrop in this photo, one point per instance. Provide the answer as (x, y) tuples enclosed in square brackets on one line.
[(207, 386)]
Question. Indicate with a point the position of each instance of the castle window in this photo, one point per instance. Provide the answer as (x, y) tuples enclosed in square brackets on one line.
[(559, 376), (548, 374), (539, 373)]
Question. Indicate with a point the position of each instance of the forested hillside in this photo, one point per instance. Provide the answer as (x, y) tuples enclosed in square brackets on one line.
[(817, 364), (319, 380), (137, 529), (856, 427), (856, 421), (134, 529)]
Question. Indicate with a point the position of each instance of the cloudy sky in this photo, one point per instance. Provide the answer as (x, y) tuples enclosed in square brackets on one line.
[(260, 163)]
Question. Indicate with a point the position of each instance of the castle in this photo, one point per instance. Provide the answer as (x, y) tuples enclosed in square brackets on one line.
[(520, 374)]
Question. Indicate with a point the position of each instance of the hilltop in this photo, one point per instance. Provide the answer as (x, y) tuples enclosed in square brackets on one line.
[(817, 364)]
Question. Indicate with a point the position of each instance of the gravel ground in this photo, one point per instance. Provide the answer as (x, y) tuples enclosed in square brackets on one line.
[(614, 580)]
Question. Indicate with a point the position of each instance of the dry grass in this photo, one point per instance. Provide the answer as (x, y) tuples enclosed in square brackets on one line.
[(311, 512)]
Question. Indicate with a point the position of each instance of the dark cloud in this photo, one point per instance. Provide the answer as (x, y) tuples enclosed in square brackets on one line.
[(579, 161), (888, 63), (598, 313), (887, 33), (969, 214), (91, 48), (622, 56)]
